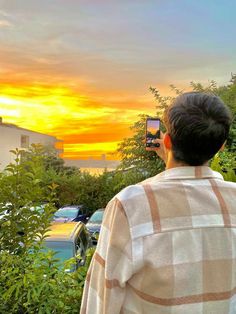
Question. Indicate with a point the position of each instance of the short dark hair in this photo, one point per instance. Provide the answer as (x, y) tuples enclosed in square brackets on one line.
[(198, 125)]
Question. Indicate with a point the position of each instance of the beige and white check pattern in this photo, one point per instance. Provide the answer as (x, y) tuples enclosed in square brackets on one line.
[(168, 246)]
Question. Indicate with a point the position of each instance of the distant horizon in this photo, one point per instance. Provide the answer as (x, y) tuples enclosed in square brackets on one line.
[(92, 164), (89, 158)]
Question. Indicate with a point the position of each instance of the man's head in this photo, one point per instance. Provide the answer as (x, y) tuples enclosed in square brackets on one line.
[(198, 125)]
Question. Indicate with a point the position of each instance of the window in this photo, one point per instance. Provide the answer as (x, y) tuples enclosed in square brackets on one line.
[(24, 141), (63, 249)]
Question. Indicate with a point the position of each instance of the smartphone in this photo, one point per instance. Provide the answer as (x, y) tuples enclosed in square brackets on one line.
[(152, 132)]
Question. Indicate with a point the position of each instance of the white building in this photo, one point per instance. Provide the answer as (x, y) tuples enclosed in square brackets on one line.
[(12, 137)]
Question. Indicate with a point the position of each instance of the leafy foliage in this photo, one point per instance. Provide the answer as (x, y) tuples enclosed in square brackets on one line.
[(20, 195), (134, 155), (72, 186), (132, 150), (225, 163), (49, 158), (35, 283), (31, 280), (228, 94)]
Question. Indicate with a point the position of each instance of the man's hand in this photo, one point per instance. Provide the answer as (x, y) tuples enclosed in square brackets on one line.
[(161, 150)]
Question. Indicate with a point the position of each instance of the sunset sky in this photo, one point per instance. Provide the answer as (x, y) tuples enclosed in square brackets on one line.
[(81, 69)]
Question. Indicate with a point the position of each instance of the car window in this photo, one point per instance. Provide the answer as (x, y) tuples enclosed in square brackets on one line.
[(96, 217), (64, 249), (66, 212)]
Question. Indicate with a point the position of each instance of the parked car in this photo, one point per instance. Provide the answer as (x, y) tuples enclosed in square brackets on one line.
[(69, 240), (94, 224), (71, 213)]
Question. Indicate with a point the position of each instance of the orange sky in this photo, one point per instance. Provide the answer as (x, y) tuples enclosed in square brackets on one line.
[(81, 70), (89, 125)]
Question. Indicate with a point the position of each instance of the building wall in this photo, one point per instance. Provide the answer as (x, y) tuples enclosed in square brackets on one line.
[(11, 138)]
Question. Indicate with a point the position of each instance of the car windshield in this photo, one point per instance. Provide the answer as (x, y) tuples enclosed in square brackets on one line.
[(64, 249), (67, 212), (97, 217)]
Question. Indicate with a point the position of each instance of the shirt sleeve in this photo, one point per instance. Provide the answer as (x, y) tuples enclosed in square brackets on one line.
[(111, 266)]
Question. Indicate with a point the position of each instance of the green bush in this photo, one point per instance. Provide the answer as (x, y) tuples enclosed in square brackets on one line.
[(35, 283), (225, 163), (32, 281)]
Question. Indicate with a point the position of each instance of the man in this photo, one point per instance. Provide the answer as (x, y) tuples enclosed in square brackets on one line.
[(168, 244)]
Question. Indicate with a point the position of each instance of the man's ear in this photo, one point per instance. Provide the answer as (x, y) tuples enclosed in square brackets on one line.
[(167, 141)]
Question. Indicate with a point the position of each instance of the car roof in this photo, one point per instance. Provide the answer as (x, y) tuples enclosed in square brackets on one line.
[(64, 231), (100, 210), (71, 206)]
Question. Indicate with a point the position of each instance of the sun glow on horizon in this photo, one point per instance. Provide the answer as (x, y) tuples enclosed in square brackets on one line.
[(88, 127)]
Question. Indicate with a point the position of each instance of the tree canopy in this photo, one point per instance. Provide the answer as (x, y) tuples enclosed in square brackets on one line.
[(132, 150)]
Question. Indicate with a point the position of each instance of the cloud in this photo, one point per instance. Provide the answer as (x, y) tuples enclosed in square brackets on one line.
[(81, 121), (95, 150), (80, 70), (5, 23)]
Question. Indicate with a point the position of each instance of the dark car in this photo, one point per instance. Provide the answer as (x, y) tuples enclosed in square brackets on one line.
[(94, 224), (71, 213), (68, 240)]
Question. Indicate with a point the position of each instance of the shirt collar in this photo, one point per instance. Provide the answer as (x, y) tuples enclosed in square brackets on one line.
[(188, 172)]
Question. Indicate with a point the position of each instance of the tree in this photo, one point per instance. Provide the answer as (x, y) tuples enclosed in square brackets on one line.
[(228, 94), (134, 155), (31, 280), (50, 159), (132, 149), (20, 192)]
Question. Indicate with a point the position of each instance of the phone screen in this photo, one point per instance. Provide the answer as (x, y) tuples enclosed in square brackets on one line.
[(152, 131)]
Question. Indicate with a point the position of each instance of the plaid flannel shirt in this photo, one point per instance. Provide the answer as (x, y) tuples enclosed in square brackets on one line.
[(168, 246)]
